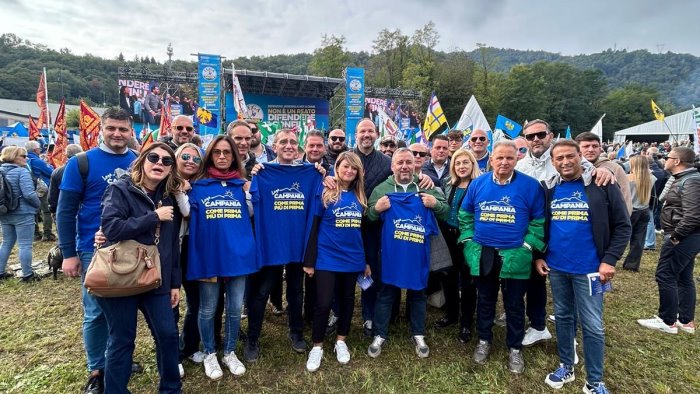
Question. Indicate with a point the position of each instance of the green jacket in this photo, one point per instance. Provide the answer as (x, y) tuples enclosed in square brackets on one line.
[(441, 210), (517, 262)]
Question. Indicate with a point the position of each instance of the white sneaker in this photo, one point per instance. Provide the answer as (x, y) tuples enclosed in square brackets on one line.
[(197, 357), (657, 324), (315, 356), (212, 368), (341, 352), (234, 365), (375, 348), (575, 353), (533, 336), (182, 370), (422, 349)]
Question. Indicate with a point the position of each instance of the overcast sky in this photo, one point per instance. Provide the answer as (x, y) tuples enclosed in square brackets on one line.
[(235, 28)]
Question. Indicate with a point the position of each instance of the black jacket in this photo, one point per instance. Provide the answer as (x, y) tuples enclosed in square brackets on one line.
[(128, 213), (377, 168), (680, 215), (331, 156), (609, 220), (429, 170), (54, 188)]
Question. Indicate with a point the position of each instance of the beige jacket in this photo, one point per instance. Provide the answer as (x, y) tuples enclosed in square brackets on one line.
[(620, 178)]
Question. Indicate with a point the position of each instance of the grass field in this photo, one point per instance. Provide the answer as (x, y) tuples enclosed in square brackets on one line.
[(41, 351)]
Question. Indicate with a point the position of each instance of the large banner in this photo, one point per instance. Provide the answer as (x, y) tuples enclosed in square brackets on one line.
[(289, 112), (354, 101), (210, 89), (403, 113), (134, 87)]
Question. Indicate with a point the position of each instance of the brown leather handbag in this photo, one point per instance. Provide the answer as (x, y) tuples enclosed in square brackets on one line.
[(124, 269)]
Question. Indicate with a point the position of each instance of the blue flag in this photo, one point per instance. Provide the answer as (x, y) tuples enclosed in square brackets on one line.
[(568, 132), (508, 126), (621, 152)]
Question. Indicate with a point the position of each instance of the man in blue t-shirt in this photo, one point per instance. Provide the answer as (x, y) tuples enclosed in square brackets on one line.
[(79, 207), (479, 143), (502, 222), (587, 229), (407, 212)]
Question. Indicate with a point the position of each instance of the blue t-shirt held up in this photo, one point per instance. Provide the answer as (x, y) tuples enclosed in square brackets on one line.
[(221, 242), (104, 169), (283, 197), (406, 230), (340, 247), (571, 245), (502, 213)]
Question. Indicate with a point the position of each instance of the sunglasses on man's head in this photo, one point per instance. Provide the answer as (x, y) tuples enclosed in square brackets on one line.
[(155, 158), (180, 128), (531, 137), (336, 138), (474, 139), (189, 157)]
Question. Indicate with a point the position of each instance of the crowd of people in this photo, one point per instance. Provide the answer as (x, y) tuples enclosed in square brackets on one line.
[(232, 222)]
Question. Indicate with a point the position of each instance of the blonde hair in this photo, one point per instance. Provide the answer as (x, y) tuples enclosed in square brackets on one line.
[(454, 179), (331, 196), (172, 181), (640, 175), (11, 153)]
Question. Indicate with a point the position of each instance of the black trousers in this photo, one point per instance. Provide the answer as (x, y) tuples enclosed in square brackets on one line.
[(674, 275), (639, 220), (458, 306), (276, 292), (261, 284), (329, 286)]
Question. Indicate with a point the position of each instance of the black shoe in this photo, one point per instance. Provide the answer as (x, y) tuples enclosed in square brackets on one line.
[(251, 351), (48, 238), (298, 343), (136, 368), (465, 335), (367, 328), (95, 384), (37, 237), (30, 278), (6, 275), (445, 322)]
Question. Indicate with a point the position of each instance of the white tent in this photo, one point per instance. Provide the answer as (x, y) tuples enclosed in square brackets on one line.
[(681, 126)]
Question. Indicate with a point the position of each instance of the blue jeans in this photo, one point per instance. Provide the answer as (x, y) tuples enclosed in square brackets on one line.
[(650, 239), (571, 295), (121, 314), (94, 323), (416, 302), (19, 229), (208, 301)]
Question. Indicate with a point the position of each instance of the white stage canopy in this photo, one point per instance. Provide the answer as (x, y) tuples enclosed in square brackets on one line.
[(681, 126)]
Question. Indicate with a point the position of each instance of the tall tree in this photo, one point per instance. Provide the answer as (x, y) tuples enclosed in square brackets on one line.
[(391, 52), (331, 58)]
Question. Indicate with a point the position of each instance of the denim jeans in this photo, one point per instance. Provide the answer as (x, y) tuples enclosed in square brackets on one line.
[(674, 275), (208, 301), (571, 295), (122, 315), (95, 332), (20, 229), (650, 238), (416, 302)]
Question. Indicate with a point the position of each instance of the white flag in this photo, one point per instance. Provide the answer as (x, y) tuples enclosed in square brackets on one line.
[(629, 149), (386, 125), (472, 118), (598, 128), (238, 100)]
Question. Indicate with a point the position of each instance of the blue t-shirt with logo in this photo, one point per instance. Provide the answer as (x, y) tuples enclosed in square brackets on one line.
[(221, 242), (406, 230), (483, 163), (571, 246), (502, 213), (340, 247), (104, 168), (283, 199)]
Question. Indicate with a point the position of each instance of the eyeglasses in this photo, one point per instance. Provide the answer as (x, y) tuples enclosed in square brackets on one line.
[(419, 153), (669, 157), (180, 128), (454, 139), (540, 136), (474, 139), (287, 142), (189, 157), (388, 144), (522, 150), (219, 152), (336, 138), (154, 158)]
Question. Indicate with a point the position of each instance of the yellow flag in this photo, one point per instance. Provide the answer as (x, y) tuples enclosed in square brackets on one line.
[(658, 113)]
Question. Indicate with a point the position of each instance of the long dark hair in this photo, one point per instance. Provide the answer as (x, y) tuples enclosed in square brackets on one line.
[(208, 161), (172, 182)]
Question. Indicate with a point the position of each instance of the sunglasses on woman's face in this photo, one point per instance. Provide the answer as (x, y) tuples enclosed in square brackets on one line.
[(154, 158), (189, 157)]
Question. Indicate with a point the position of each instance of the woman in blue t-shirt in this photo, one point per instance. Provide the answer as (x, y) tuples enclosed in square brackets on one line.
[(335, 254), (463, 169)]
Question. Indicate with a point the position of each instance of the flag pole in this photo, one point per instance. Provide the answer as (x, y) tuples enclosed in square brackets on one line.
[(675, 137), (48, 113)]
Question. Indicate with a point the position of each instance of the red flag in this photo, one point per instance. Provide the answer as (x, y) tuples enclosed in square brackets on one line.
[(41, 102), (165, 121), (34, 132), (148, 141), (58, 157), (89, 126)]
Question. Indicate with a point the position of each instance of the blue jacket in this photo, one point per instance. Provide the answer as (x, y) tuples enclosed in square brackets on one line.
[(22, 188), (39, 167), (128, 213)]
